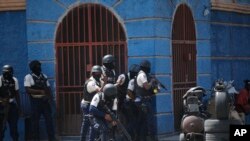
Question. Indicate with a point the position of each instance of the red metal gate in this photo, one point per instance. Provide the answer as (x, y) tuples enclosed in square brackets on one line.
[(84, 36), (184, 58)]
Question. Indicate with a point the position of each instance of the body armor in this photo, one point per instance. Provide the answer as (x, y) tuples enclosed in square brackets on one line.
[(40, 82), (110, 74), (8, 88), (88, 96), (140, 91)]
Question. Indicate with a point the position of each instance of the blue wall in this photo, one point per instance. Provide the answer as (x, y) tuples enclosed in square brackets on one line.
[(222, 42), (148, 26), (230, 46), (13, 50)]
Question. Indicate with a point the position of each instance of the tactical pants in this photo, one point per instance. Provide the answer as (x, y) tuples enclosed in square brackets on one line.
[(131, 117), (40, 107), (85, 121), (3, 119), (13, 116), (98, 130), (145, 121)]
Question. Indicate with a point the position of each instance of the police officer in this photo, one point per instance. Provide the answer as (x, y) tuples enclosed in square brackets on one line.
[(9, 102), (37, 86), (143, 90), (108, 67), (123, 81), (100, 115), (130, 109), (92, 86)]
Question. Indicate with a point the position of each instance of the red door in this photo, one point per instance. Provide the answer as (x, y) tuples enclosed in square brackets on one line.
[(83, 37), (184, 58)]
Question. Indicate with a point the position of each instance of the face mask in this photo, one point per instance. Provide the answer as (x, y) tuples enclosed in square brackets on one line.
[(97, 76), (37, 69), (7, 75), (146, 70)]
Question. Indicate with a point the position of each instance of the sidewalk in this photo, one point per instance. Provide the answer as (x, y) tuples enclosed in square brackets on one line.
[(166, 138), (174, 137)]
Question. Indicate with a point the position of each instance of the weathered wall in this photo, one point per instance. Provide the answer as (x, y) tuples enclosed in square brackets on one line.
[(13, 49), (230, 46), (148, 25)]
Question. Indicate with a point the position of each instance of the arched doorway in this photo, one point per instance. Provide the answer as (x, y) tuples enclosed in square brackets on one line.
[(83, 37), (184, 58)]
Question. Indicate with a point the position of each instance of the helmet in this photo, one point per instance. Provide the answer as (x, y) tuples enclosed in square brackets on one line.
[(134, 68), (108, 59), (109, 90), (33, 63), (145, 64), (7, 68), (96, 68)]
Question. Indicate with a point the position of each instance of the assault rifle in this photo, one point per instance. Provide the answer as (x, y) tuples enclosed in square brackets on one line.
[(156, 85), (119, 124)]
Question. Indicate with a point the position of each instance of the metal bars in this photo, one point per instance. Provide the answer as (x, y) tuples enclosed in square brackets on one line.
[(84, 36), (184, 58)]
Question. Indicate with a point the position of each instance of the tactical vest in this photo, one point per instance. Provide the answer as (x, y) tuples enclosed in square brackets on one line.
[(110, 74), (88, 96), (122, 90), (141, 91), (7, 90), (40, 82)]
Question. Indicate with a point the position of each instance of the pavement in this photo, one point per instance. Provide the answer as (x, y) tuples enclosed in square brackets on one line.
[(174, 137)]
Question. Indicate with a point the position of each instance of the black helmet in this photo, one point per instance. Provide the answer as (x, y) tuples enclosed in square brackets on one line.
[(109, 91), (96, 68), (7, 68), (108, 59), (145, 64), (134, 68), (33, 63), (7, 71)]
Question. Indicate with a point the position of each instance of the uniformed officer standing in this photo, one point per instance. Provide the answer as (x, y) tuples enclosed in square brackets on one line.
[(37, 86), (9, 102), (100, 115), (143, 90), (92, 86), (108, 68), (130, 109), (122, 84)]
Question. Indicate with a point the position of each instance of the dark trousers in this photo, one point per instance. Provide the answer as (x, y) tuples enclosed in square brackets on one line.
[(85, 121), (9, 113), (145, 121), (99, 130), (13, 116), (40, 107), (131, 118), (3, 119)]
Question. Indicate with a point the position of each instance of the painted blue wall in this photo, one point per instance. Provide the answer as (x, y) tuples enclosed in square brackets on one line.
[(230, 47), (13, 50), (148, 26)]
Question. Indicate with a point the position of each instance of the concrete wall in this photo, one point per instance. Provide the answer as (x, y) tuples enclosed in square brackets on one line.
[(13, 50), (148, 25), (230, 47)]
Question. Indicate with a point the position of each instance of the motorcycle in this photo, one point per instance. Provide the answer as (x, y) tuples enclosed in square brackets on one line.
[(192, 123), (225, 94)]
